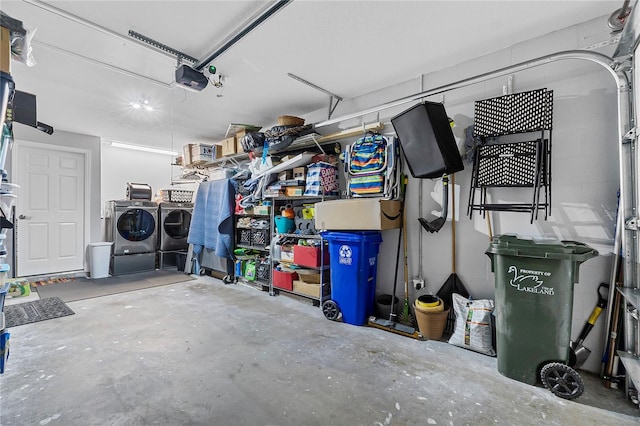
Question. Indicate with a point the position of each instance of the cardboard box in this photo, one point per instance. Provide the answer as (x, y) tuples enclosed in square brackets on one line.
[(239, 135), (309, 256), (186, 154), (365, 214), (200, 149), (284, 175), (308, 289), (202, 153), (286, 253), (284, 279), (263, 210), (5, 50), (229, 146), (217, 151), (300, 173), (294, 191), (312, 276)]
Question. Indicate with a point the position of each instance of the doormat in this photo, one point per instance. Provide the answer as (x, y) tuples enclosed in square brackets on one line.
[(37, 310), (84, 288), (47, 281)]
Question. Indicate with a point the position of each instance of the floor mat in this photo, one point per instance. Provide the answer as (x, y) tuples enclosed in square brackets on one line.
[(37, 310), (84, 288), (48, 281)]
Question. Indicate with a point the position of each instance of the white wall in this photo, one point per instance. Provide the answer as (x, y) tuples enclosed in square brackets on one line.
[(120, 166), (584, 171)]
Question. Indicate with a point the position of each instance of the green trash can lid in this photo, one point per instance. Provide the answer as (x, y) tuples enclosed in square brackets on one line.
[(514, 245)]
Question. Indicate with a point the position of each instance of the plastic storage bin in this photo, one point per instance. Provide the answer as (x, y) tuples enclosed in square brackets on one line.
[(354, 265), (100, 256), (534, 302), (284, 279)]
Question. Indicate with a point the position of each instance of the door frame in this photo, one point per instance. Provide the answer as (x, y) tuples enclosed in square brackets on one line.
[(86, 234)]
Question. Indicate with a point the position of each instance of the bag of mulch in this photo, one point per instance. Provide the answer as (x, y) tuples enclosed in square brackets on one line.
[(474, 324)]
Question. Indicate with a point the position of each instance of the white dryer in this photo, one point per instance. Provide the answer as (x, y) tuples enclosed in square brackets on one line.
[(132, 227)]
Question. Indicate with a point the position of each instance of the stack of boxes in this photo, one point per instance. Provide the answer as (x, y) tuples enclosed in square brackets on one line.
[(309, 272), (197, 154), (310, 279), (291, 183), (194, 154)]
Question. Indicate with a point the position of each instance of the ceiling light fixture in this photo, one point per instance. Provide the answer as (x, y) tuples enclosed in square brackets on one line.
[(144, 104), (143, 148)]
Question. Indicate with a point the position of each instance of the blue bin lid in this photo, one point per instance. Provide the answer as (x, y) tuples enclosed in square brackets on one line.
[(354, 236), (4, 267)]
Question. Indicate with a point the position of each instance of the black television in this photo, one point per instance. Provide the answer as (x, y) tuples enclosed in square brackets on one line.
[(427, 141)]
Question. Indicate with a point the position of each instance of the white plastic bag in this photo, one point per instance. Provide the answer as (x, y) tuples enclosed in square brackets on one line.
[(474, 324)]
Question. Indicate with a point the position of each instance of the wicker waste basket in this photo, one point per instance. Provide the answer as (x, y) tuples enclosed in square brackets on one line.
[(431, 315)]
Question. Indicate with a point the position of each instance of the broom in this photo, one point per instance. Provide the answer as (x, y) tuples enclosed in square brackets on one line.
[(453, 284)]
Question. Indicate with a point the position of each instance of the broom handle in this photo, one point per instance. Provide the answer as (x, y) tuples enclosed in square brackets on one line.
[(453, 223), (608, 374), (405, 309)]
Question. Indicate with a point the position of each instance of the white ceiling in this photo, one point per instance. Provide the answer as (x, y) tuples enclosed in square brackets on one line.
[(85, 78)]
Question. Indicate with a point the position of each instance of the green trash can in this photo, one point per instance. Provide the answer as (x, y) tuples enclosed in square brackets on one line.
[(534, 302)]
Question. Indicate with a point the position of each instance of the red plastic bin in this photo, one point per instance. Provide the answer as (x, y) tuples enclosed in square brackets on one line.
[(284, 279), (309, 256)]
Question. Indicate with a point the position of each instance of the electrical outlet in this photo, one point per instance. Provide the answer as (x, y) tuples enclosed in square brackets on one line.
[(418, 283)]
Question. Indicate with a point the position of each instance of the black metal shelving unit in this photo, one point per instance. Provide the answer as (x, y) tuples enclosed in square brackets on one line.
[(258, 239), (298, 202)]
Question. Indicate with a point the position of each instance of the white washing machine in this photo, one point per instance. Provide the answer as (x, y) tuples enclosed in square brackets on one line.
[(132, 227)]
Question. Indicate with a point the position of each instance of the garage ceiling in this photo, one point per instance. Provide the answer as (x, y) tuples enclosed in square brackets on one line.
[(89, 70)]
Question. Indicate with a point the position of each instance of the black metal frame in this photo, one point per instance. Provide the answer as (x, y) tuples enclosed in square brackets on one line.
[(522, 164)]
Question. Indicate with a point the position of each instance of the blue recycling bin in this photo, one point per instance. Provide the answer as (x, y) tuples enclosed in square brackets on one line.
[(354, 264)]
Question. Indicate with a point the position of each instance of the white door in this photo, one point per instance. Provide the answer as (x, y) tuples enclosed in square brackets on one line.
[(50, 212)]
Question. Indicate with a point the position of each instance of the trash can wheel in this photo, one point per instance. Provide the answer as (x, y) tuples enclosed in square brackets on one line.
[(562, 380), (330, 310)]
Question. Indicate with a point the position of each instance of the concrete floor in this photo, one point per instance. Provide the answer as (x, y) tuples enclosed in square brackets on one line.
[(202, 353)]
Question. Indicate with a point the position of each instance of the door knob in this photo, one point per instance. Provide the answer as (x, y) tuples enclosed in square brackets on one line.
[(22, 216)]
